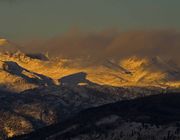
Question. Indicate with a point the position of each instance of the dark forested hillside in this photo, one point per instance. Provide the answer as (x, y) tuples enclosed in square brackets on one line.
[(155, 117)]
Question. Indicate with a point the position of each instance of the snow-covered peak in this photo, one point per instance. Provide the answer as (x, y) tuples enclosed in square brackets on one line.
[(3, 42), (7, 46)]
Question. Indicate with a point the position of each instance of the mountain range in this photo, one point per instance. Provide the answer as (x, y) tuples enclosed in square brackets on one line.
[(37, 90), (34, 70)]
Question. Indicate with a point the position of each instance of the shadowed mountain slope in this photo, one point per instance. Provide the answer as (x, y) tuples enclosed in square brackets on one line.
[(154, 117), (18, 78), (27, 111)]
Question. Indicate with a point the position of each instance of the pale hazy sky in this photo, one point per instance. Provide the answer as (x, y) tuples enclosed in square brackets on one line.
[(22, 19)]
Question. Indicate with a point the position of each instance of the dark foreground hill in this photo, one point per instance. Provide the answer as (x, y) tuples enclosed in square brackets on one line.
[(22, 113), (155, 117)]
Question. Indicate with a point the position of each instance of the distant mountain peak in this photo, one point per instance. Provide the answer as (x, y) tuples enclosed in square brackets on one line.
[(3, 42), (7, 46)]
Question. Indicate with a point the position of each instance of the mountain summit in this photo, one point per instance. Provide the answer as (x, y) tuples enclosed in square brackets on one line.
[(7, 46), (3, 41), (130, 71)]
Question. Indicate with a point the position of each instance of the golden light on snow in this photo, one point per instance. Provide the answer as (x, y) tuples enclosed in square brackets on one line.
[(3, 42)]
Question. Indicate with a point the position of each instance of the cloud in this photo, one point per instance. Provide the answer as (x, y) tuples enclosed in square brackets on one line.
[(110, 44)]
